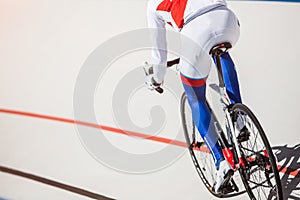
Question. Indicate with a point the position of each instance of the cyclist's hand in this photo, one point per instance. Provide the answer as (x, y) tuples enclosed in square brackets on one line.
[(149, 79)]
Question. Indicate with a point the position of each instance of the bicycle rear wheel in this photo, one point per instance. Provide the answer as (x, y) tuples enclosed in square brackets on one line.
[(260, 174)]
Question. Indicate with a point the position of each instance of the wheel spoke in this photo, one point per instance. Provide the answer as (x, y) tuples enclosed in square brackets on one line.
[(261, 172)]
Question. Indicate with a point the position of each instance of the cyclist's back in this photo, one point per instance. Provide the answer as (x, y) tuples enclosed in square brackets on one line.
[(180, 12)]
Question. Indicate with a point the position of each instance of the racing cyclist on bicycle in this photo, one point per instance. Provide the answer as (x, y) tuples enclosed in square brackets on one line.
[(202, 25)]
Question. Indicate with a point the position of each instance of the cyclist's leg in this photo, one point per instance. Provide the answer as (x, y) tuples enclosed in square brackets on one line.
[(195, 89), (195, 65), (230, 78)]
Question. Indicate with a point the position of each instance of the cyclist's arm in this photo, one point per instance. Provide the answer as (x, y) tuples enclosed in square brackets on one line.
[(159, 43)]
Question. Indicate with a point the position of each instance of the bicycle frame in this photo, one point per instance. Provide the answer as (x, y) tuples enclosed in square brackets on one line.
[(236, 162)]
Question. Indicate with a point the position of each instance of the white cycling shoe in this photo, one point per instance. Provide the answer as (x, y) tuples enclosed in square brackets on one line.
[(223, 176)]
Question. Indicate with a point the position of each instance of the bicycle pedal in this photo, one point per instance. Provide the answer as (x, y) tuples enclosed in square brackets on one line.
[(198, 144), (226, 189), (227, 183), (244, 135)]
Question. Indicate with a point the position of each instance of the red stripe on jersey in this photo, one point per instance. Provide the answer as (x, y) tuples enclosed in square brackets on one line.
[(177, 12), (176, 7), (192, 82), (165, 6)]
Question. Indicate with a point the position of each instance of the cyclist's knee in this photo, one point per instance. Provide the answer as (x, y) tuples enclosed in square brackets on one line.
[(194, 88)]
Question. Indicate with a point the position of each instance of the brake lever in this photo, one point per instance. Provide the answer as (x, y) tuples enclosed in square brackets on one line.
[(169, 64)]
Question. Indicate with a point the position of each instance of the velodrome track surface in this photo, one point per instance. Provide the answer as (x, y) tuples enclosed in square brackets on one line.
[(285, 170), (43, 47)]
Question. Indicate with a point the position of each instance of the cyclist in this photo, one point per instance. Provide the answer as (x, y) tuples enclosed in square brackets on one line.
[(202, 25)]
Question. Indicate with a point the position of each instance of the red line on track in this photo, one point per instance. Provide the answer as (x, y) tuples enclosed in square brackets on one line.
[(102, 127), (286, 170)]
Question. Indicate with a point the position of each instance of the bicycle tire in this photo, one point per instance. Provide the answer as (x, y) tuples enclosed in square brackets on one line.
[(201, 157), (260, 162)]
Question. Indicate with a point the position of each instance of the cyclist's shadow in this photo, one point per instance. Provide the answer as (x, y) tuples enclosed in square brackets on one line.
[(288, 159)]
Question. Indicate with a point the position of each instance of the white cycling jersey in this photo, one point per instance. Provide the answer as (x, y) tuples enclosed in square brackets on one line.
[(206, 22), (178, 12)]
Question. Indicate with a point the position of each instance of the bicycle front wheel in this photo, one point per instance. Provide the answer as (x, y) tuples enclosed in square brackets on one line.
[(260, 174), (200, 154)]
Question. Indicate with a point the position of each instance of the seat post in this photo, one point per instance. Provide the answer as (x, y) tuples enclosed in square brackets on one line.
[(216, 53)]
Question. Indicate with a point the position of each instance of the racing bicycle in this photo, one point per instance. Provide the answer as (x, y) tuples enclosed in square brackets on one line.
[(247, 149)]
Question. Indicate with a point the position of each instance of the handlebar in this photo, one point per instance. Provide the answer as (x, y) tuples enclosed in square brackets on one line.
[(173, 62)]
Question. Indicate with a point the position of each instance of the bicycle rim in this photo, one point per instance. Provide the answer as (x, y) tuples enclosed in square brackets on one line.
[(260, 174)]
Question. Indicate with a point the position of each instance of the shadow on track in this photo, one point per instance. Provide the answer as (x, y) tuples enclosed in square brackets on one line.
[(288, 157)]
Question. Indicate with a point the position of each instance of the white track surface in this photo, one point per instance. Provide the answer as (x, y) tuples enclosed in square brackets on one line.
[(43, 45)]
